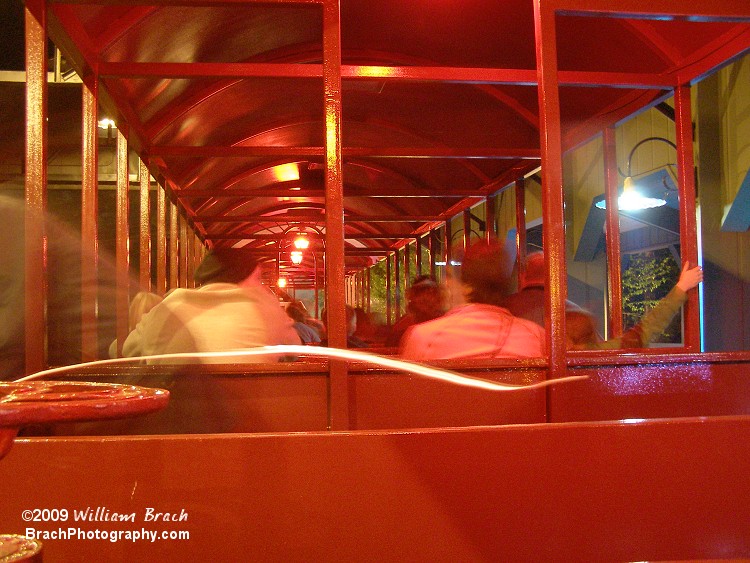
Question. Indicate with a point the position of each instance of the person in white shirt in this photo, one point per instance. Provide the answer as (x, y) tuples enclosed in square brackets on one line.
[(230, 310)]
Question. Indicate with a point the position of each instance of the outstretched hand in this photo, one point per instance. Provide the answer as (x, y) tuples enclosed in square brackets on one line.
[(689, 277)]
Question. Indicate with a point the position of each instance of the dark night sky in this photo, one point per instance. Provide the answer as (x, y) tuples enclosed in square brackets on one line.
[(11, 35)]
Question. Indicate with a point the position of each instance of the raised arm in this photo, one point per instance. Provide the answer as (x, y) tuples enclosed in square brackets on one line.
[(689, 277)]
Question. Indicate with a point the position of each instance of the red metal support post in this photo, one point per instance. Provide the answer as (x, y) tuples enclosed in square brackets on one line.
[(36, 186), (144, 246), (612, 233), (467, 228), (174, 264), (688, 226), (418, 246), (490, 218), (338, 414), (183, 250), (161, 241), (122, 232), (388, 305), (397, 272), (89, 220), (520, 193), (550, 137)]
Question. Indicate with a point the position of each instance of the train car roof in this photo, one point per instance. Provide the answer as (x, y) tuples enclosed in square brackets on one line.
[(225, 100)]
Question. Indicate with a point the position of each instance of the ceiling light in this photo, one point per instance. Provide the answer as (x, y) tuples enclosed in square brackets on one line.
[(632, 200), (302, 242)]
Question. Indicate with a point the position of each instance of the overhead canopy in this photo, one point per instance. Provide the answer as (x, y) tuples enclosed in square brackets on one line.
[(439, 100)]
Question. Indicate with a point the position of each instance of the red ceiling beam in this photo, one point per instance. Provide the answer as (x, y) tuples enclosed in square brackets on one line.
[(382, 152), (730, 10), (516, 77), (320, 218), (186, 3), (319, 193), (275, 237)]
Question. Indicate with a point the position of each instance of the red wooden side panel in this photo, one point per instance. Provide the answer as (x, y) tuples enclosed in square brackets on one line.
[(296, 401), (659, 490), (653, 391), (396, 401)]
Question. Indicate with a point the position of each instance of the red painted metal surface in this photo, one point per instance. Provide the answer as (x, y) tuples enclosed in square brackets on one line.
[(334, 202), (688, 227), (520, 194), (552, 186), (161, 241), (89, 221), (612, 234), (657, 490), (144, 238), (36, 186), (655, 386), (122, 242)]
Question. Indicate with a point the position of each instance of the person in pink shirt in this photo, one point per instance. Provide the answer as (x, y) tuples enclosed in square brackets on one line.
[(477, 326)]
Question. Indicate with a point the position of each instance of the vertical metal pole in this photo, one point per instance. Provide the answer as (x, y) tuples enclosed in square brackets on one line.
[(397, 271), (122, 258), (315, 273), (174, 262), (388, 312), (612, 233), (407, 267), (161, 241), (490, 218), (183, 250), (467, 228), (89, 220), (35, 240), (432, 244), (448, 243), (368, 304), (144, 246), (191, 245), (688, 223), (418, 247), (520, 192), (338, 415), (552, 185)]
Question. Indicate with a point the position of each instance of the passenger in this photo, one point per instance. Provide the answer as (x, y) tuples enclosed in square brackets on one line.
[(230, 310), (142, 303), (65, 329), (425, 301), (478, 327), (529, 303), (653, 323), (297, 312), (367, 330), (351, 327)]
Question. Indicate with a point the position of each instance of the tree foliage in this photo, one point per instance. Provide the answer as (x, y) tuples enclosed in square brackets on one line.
[(647, 278)]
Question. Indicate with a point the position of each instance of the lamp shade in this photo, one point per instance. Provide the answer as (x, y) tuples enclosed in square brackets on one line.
[(632, 200)]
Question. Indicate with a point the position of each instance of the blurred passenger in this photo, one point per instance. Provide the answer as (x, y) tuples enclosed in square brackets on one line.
[(367, 330), (351, 327), (478, 326), (424, 302), (63, 330), (229, 310), (529, 303), (142, 303), (653, 323), (297, 312)]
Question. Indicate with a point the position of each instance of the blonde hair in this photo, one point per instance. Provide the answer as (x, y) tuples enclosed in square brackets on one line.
[(142, 303)]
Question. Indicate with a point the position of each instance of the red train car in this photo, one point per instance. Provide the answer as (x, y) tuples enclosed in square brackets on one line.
[(386, 134)]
